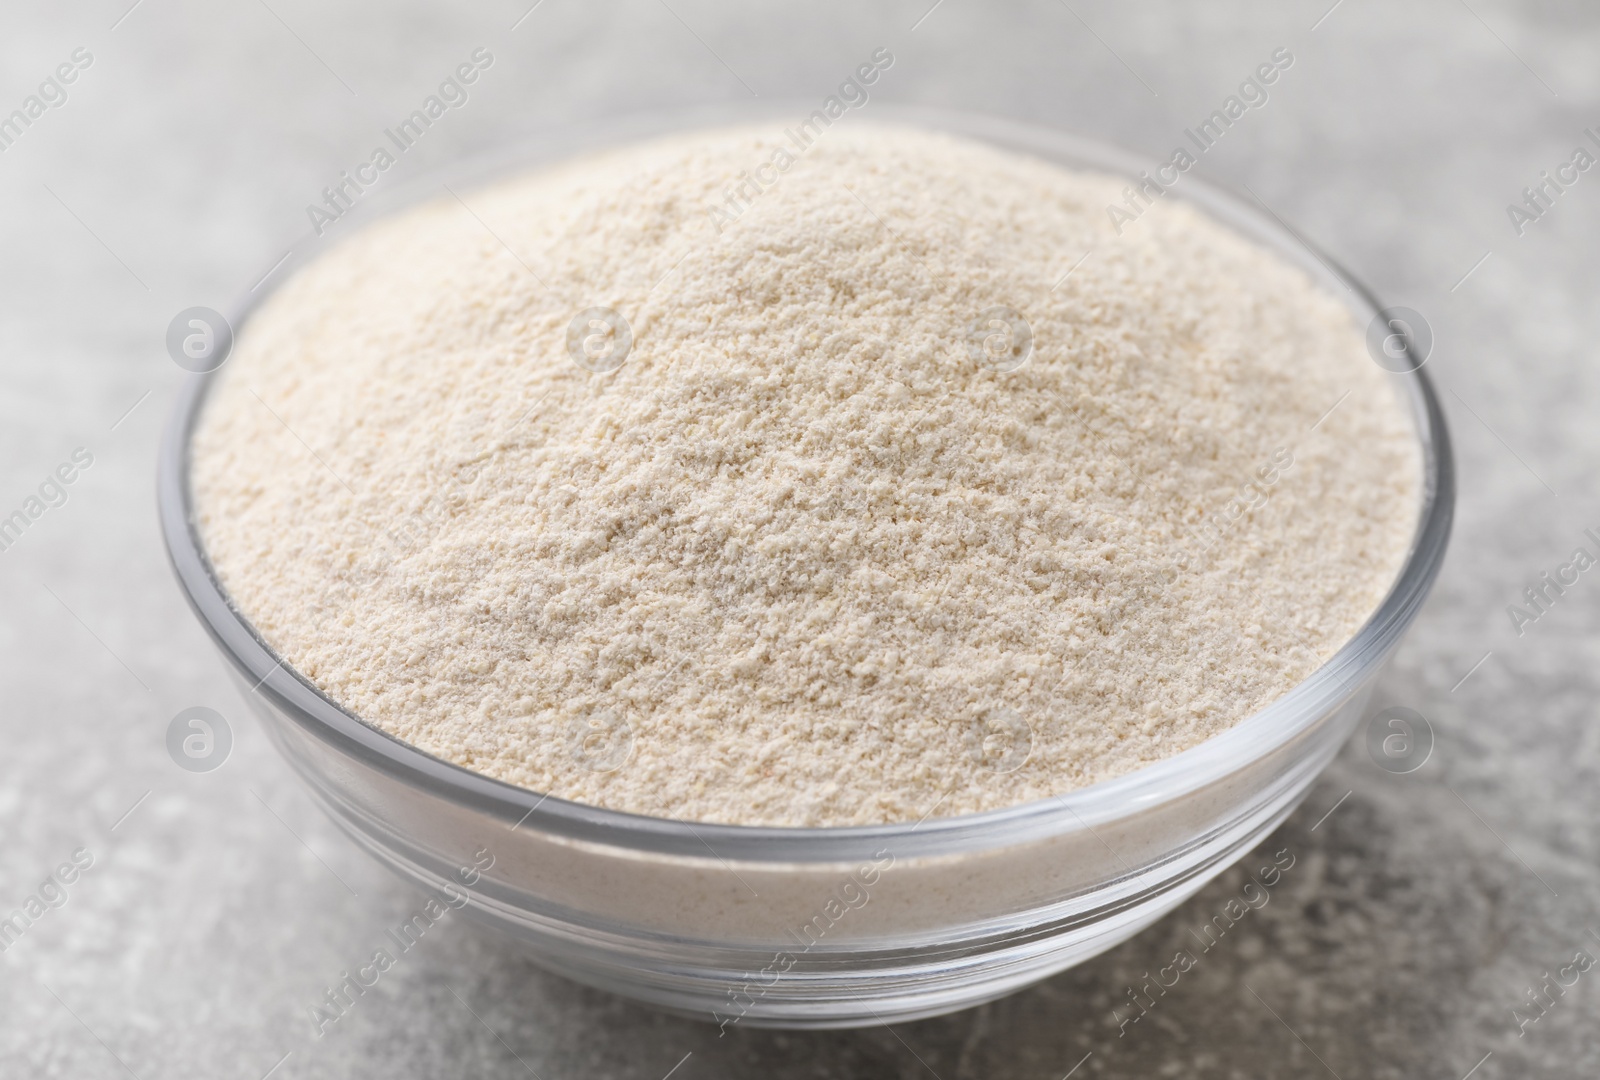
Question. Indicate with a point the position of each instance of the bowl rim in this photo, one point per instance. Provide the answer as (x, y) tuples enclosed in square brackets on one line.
[(1212, 760)]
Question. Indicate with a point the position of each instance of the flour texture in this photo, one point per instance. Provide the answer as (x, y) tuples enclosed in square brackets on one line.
[(818, 552)]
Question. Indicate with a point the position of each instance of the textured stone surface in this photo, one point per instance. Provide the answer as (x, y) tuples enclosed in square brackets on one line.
[(176, 174)]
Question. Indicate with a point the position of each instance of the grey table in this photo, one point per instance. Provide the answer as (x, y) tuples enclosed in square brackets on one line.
[(219, 906)]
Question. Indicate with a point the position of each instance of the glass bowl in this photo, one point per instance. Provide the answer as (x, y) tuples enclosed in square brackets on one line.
[(823, 927)]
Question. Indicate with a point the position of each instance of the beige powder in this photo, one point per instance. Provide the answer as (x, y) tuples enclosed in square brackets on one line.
[(804, 559)]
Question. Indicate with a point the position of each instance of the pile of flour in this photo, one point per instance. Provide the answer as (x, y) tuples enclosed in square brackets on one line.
[(812, 555)]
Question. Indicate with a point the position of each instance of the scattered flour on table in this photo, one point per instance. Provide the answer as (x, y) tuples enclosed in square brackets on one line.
[(803, 559)]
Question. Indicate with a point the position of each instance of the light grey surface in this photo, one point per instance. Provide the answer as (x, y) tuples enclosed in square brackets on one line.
[(217, 912)]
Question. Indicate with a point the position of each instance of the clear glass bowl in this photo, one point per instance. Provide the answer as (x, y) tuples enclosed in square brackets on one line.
[(824, 927)]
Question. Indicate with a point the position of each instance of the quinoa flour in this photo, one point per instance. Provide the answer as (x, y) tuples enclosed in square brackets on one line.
[(809, 556)]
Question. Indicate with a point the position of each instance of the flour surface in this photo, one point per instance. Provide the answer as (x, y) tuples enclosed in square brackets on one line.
[(810, 556)]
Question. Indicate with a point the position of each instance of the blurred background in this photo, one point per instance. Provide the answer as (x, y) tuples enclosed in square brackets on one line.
[(173, 170)]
